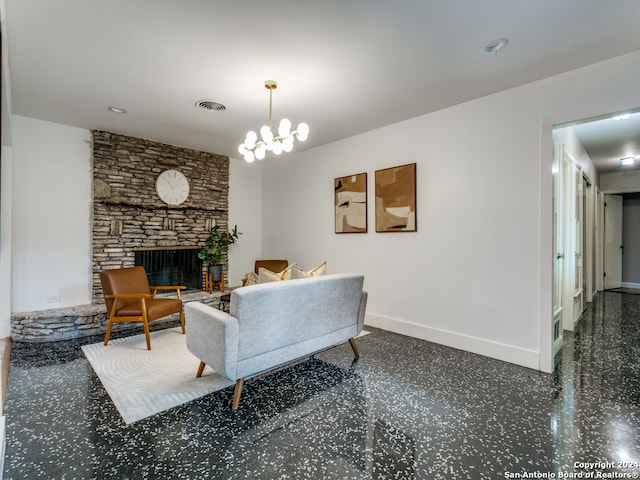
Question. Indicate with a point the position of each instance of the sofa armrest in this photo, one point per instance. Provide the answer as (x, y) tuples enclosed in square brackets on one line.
[(212, 336)]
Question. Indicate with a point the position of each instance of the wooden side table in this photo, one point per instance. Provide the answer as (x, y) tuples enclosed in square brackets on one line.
[(223, 303), (210, 285)]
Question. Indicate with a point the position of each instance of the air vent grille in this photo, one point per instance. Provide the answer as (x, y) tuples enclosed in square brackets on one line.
[(210, 106)]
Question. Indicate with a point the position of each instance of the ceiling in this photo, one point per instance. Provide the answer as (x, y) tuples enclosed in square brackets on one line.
[(608, 140), (343, 67)]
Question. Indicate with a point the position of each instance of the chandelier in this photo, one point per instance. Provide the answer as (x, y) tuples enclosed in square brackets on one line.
[(253, 148)]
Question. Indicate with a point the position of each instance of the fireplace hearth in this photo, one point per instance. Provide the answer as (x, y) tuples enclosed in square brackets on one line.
[(171, 266)]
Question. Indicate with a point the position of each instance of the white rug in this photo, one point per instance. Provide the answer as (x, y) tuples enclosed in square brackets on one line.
[(144, 382)]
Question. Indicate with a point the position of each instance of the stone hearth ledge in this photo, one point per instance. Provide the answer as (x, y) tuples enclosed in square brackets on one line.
[(67, 323)]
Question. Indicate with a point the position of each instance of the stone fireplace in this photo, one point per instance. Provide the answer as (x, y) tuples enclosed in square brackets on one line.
[(129, 218)]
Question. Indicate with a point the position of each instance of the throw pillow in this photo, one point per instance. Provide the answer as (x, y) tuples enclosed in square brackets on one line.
[(298, 272), (265, 275), (250, 279)]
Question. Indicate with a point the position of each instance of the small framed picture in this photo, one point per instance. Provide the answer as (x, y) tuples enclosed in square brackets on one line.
[(396, 199), (350, 201)]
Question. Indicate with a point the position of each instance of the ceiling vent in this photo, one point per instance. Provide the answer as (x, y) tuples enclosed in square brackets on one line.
[(210, 106)]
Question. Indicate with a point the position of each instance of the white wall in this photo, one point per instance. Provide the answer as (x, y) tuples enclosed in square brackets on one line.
[(573, 147), (466, 277), (620, 182), (477, 274), (51, 215), (5, 243), (245, 210)]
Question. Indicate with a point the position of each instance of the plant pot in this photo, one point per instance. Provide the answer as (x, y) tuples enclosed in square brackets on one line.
[(216, 272)]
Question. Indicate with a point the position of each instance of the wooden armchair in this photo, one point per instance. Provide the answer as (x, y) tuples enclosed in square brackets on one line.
[(273, 265), (129, 298)]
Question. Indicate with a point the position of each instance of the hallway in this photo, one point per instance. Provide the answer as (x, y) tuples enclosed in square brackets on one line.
[(407, 409)]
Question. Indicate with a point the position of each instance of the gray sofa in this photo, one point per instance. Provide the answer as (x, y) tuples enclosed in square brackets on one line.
[(272, 324)]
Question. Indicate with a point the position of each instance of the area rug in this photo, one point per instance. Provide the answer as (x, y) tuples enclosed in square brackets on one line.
[(144, 382)]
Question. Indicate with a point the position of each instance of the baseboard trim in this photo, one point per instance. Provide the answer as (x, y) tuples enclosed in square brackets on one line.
[(499, 351), (630, 285), (5, 360)]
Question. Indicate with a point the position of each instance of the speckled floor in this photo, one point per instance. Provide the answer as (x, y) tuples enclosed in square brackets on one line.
[(406, 409)]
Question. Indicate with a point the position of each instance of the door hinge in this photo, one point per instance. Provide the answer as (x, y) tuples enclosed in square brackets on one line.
[(604, 274)]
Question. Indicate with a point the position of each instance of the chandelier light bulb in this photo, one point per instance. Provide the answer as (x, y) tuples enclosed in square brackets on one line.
[(260, 152), (285, 128), (250, 140), (277, 148), (266, 134), (287, 144), (249, 156), (303, 132)]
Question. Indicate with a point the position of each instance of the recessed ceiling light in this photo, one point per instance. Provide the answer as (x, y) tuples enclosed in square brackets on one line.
[(627, 161), (494, 46), (117, 110)]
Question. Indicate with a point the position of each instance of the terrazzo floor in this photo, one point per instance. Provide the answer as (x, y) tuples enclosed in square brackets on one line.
[(407, 409)]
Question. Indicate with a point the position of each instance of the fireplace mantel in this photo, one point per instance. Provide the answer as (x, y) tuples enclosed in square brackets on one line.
[(167, 247)]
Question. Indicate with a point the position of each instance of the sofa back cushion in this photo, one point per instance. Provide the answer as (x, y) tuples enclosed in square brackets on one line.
[(279, 314)]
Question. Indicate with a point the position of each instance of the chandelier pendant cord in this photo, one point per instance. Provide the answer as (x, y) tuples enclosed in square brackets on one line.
[(270, 105)]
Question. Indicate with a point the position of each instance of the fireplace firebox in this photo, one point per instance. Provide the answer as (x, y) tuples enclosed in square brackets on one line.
[(171, 266)]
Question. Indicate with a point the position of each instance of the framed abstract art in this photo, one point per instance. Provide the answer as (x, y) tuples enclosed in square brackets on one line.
[(350, 200), (396, 199)]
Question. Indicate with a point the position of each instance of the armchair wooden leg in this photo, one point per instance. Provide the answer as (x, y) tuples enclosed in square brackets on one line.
[(182, 320), (108, 332), (236, 393), (200, 370), (352, 341), (146, 333)]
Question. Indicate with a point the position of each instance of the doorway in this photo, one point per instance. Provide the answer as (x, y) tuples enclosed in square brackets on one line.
[(613, 247), (622, 242), (586, 245)]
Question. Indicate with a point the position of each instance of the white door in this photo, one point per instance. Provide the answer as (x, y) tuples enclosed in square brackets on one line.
[(558, 246), (612, 241), (578, 245)]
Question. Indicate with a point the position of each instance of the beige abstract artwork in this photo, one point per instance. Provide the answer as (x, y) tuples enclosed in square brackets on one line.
[(350, 195), (396, 199)]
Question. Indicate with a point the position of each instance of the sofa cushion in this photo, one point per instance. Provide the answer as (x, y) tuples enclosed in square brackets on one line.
[(297, 272), (265, 276)]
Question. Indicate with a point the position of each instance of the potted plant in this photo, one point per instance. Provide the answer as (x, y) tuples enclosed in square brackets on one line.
[(215, 249)]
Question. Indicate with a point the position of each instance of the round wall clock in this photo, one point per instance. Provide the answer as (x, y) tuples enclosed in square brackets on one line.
[(172, 187)]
